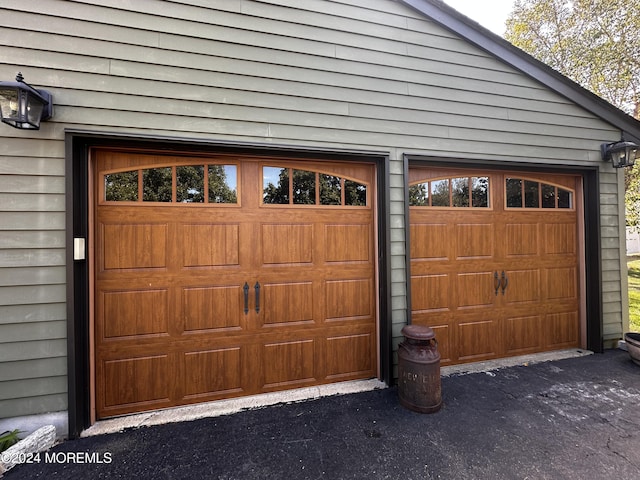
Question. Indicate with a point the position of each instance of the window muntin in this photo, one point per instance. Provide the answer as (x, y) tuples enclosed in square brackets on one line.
[(529, 194), (290, 186), (184, 184), (456, 192)]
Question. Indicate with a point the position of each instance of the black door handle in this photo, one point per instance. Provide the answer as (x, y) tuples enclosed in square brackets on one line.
[(504, 282), (256, 287), (496, 282), (246, 297)]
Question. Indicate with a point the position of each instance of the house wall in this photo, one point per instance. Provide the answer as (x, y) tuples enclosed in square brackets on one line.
[(348, 74)]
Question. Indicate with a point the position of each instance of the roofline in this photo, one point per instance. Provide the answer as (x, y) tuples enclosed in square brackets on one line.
[(488, 41)]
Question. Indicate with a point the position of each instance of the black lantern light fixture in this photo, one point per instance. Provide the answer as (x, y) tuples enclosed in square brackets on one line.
[(620, 154), (22, 106)]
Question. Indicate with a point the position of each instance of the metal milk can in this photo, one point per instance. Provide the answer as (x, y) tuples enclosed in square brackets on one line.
[(419, 370)]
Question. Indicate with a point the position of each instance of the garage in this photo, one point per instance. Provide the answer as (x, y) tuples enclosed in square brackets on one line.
[(218, 276), (218, 205), (494, 261)]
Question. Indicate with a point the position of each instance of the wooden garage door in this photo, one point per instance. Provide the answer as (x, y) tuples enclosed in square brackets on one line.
[(219, 277), (494, 262)]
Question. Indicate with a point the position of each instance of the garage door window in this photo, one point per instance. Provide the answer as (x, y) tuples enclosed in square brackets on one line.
[(121, 187), (290, 186), (184, 184), (524, 193), (457, 192)]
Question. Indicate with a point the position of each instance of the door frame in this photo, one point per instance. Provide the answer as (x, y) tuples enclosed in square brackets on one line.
[(78, 225), (588, 219)]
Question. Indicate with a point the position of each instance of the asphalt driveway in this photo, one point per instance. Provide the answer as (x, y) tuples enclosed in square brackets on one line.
[(568, 419)]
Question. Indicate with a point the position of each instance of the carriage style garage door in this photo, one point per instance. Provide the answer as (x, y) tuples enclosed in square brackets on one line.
[(219, 277), (494, 261)]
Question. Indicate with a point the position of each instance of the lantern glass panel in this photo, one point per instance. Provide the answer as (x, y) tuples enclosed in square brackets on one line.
[(631, 156), (8, 103), (34, 110)]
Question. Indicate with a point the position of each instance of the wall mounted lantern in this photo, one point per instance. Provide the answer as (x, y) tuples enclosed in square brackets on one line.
[(620, 154), (22, 106)]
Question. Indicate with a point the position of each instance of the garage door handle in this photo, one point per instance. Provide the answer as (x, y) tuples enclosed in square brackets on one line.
[(246, 297), (256, 287), (504, 282), (496, 282)]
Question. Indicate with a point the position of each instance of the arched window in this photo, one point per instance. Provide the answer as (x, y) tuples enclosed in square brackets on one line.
[(184, 184), (290, 186), (526, 193), (457, 192)]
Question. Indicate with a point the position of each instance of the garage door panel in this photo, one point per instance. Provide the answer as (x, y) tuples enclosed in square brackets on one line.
[(477, 340), (289, 364), (431, 293), (475, 290), (522, 334), (429, 241), (287, 244), (474, 241), (347, 243), (523, 286), (564, 329), (521, 240), (348, 299), (212, 308), (137, 381), (560, 239), (288, 303), (212, 373), (210, 245), (134, 246), (350, 356), (561, 283), (135, 313)]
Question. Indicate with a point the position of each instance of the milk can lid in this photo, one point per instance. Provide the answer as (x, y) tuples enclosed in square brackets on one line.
[(418, 332)]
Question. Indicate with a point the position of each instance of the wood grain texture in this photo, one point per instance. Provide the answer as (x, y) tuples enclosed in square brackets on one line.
[(504, 281), (173, 322)]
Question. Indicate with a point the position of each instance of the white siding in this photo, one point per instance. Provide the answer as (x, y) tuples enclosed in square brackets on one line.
[(354, 74)]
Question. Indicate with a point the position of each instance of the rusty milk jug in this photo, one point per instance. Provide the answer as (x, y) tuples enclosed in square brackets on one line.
[(419, 370)]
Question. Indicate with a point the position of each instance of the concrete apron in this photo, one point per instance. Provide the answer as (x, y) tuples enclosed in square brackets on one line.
[(235, 405)]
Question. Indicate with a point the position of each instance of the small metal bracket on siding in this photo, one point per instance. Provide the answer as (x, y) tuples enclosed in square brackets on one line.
[(79, 249)]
